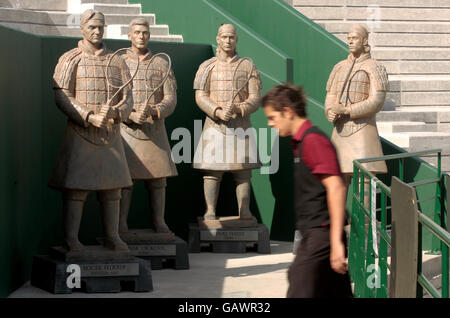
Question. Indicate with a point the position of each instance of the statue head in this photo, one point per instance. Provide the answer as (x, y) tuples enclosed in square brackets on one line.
[(139, 33), (358, 40), (92, 25), (227, 39)]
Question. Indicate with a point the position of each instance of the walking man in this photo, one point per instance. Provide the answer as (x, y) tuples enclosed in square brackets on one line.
[(320, 266)]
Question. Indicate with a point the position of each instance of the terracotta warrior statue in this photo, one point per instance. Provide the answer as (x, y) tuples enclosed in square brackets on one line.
[(144, 133), (356, 91), (91, 157), (217, 93)]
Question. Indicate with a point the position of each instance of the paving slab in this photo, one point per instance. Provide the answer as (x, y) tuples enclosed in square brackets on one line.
[(211, 275)]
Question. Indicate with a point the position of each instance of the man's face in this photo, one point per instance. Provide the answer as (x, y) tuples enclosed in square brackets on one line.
[(277, 119), (93, 31), (227, 41), (139, 36), (356, 43)]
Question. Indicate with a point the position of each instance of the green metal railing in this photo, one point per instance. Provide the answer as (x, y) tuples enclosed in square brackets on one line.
[(368, 262)]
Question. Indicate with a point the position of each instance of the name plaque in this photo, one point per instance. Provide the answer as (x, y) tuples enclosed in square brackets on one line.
[(153, 250), (228, 235), (109, 270)]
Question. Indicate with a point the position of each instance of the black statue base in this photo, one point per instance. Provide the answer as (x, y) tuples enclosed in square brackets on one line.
[(229, 240), (94, 270), (172, 254)]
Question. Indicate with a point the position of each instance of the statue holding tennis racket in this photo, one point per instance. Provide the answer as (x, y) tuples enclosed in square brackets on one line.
[(228, 91), (92, 88), (144, 133), (356, 91)]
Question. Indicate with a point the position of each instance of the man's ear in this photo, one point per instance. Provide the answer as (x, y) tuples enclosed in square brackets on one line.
[(288, 111)]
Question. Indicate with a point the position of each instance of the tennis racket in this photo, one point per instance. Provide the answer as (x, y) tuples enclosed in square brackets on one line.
[(235, 92), (110, 85)]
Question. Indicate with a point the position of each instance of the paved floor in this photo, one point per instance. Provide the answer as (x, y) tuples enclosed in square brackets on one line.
[(211, 275)]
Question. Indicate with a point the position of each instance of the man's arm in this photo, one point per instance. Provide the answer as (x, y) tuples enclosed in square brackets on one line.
[(336, 197)]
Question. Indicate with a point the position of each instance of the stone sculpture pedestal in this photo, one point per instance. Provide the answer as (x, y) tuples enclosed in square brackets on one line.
[(229, 235), (163, 250), (102, 271)]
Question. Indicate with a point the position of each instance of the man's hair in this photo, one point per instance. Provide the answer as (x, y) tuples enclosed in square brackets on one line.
[(139, 21), (91, 14), (286, 95)]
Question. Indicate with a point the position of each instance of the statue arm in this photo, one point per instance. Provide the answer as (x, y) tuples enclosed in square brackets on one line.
[(370, 106), (206, 104), (167, 105), (73, 109), (251, 104), (379, 85), (330, 102), (331, 99)]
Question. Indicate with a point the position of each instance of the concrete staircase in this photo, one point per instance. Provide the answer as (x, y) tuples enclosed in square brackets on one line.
[(62, 17), (412, 39)]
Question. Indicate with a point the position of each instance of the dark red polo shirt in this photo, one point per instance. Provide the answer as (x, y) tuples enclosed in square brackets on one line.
[(318, 153)]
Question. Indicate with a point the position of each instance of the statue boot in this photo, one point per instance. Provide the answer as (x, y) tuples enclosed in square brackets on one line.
[(125, 203), (110, 209), (157, 198), (211, 187), (243, 198), (73, 202)]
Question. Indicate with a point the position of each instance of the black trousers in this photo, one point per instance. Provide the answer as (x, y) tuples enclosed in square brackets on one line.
[(310, 274)]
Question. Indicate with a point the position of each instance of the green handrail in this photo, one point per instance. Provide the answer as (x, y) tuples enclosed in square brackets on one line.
[(362, 253)]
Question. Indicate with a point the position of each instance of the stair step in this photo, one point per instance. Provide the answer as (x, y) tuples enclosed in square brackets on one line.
[(380, 13), (381, 3), (114, 8), (404, 40), (427, 114), (75, 32), (65, 19), (429, 140), (23, 16), (405, 126), (403, 27), (121, 31), (402, 53), (104, 1), (419, 141), (417, 67), (57, 5), (62, 18), (169, 38)]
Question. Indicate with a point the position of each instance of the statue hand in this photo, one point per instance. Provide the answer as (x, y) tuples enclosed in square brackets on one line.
[(237, 108), (98, 120), (339, 109), (223, 115), (109, 111), (138, 117), (331, 116)]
